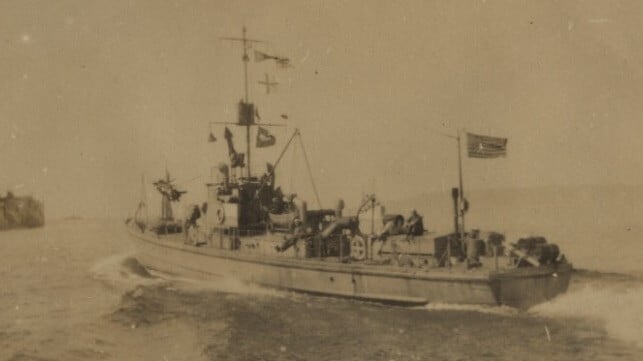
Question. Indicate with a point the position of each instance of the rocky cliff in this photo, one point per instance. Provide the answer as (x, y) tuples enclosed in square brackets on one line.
[(20, 212)]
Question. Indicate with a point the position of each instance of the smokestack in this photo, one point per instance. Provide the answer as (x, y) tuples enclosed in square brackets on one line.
[(340, 208), (303, 213)]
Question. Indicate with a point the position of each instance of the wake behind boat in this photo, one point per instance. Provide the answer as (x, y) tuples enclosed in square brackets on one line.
[(249, 229)]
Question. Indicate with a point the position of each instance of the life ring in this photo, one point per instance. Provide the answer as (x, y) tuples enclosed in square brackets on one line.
[(220, 215), (295, 223), (358, 248)]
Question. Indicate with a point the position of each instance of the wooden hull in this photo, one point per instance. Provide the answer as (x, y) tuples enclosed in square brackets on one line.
[(518, 287)]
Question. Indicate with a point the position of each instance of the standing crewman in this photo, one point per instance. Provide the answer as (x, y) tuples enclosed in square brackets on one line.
[(191, 225), (414, 224)]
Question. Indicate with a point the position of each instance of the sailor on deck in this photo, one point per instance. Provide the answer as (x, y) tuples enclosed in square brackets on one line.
[(191, 225), (414, 224)]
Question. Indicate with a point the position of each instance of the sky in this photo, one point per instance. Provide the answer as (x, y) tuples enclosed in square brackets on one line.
[(96, 94)]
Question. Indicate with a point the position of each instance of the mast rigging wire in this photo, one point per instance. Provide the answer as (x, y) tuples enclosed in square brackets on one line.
[(310, 173)]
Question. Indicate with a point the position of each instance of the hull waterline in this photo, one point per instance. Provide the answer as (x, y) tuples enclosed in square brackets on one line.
[(519, 287)]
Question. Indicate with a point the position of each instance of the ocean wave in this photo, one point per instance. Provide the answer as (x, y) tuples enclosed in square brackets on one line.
[(619, 309), (219, 284), (126, 273), (589, 274), (492, 310), (123, 270)]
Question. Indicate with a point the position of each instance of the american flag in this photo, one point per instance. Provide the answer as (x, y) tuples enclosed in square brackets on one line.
[(482, 146)]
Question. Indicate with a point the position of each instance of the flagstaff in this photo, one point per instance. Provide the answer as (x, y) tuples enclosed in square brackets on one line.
[(461, 208)]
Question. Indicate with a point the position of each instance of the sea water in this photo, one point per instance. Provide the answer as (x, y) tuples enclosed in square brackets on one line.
[(74, 290)]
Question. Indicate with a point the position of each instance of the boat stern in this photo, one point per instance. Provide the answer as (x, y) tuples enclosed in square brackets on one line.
[(525, 287)]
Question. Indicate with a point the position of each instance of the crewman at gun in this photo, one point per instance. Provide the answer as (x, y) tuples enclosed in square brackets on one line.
[(290, 240), (414, 224)]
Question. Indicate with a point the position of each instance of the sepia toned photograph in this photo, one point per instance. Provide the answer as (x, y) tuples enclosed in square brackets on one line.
[(196, 180)]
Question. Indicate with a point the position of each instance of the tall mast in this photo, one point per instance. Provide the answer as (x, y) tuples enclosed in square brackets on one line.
[(246, 43), (247, 106), (166, 207), (246, 59), (461, 201), (142, 204)]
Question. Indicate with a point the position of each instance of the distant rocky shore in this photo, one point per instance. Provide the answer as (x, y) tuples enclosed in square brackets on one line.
[(20, 212)]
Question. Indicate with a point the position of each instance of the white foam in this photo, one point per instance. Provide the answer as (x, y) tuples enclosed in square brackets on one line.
[(114, 271), (494, 310), (120, 271), (221, 284), (620, 310)]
